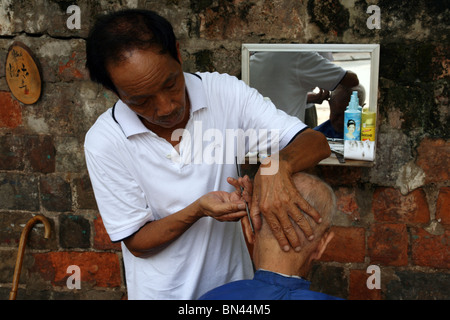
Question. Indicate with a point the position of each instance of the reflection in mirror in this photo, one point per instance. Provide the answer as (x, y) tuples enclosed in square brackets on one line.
[(315, 83)]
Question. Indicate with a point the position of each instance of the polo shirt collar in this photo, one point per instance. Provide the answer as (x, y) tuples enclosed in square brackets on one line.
[(130, 122)]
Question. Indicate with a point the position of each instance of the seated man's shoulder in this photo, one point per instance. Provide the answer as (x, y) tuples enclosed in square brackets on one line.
[(236, 290)]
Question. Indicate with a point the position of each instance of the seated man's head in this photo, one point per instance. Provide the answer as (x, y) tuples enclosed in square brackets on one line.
[(267, 253)]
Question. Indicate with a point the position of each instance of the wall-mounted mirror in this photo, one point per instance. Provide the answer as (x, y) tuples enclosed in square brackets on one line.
[(276, 70)]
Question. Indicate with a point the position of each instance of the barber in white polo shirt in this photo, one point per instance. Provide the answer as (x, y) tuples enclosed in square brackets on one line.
[(159, 162)]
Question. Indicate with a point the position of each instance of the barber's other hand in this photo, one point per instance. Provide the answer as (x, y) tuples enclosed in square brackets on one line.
[(276, 197), (246, 185), (222, 206)]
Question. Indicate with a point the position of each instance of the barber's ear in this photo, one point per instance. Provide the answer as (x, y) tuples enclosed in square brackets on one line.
[(179, 52), (324, 241)]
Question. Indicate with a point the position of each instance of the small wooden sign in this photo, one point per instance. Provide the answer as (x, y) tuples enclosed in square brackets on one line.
[(23, 74)]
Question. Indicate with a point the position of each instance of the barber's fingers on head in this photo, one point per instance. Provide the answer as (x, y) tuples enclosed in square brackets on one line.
[(282, 230), (299, 218), (307, 208)]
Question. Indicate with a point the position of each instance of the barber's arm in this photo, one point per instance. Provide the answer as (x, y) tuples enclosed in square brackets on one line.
[(156, 235), (275, 195), (350, 80)]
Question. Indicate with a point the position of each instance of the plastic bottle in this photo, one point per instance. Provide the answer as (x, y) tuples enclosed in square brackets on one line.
[(355, 94), (352, 120), (368, 125)]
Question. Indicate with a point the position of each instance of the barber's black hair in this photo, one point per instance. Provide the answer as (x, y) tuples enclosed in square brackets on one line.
[(116, 33)]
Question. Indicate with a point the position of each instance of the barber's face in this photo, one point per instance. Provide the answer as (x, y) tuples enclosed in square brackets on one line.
[(152, 85)]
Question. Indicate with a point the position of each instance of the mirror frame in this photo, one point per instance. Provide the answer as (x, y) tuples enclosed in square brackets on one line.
[(373, 49)]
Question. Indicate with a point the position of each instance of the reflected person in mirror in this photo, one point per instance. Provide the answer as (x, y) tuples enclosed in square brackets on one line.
[(338, 101), (287, 78)]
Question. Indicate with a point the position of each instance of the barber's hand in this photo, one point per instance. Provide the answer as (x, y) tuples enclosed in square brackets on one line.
[(222, 206), (246, 195), (247, 187), (276, 197), (318, 97)]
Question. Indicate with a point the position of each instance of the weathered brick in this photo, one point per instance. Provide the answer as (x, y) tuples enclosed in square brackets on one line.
[(102, 241), (8, 259), (389, 205), (11, 152), (388, 244), (443, 206), (74, 231), (348, 245), (430, 250), (13, 223), (389, 159), (330, 280), (358, 289), (101, 269), (19, 192), (72, 68), (41, 153), (38, 151), (338, 176), (10, 111), (85, 193), (347, 203), (434, 158), (70, 155), (56, 194), (410, 285)]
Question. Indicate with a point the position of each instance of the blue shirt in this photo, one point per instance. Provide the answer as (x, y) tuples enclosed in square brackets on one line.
[(267, 285), (327, 129)]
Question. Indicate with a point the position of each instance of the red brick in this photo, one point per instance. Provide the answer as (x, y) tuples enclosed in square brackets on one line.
[(388, 244), (348, 245), (389, 205), (10, 111), (56, 193), (102, 240), (358, 287), (85, 193), (434, 158), (41, 153), (431, 250), (101, 269), (443, 206), (346, 203)]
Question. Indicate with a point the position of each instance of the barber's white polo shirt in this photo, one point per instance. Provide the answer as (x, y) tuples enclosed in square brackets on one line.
[(138, 177)]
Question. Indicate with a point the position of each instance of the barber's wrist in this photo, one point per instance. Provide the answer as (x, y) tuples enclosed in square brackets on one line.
[(273, 164), (197, 210)]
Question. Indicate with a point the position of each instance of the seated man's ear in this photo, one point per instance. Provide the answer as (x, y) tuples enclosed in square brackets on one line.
[(323, 243), (249, 235)]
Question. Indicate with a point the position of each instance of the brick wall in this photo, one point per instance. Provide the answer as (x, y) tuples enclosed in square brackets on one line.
[(394, 215)]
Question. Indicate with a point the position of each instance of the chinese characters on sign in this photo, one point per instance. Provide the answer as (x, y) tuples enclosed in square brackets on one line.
[(22, 74)]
